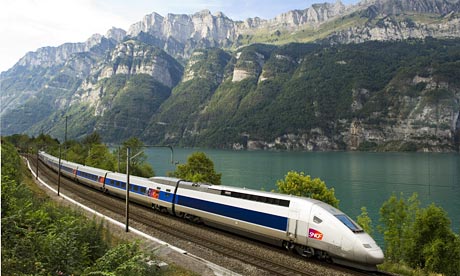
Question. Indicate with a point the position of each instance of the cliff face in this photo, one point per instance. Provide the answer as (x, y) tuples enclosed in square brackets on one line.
[(372, 96), (426, 120), (129, 58), (204, 79)]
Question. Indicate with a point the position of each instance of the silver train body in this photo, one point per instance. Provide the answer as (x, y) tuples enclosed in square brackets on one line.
[(305, 225)]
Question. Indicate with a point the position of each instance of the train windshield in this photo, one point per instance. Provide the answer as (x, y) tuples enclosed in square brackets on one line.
[(349, 223)]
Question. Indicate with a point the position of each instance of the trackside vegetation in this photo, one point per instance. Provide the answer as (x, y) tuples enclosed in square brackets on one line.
[(39, 237), (89, 151), (419, 238)]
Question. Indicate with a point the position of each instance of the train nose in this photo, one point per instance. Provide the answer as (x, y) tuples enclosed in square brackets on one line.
[(375, 256)]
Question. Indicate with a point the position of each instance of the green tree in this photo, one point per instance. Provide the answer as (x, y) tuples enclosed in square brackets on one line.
[(397, 218), (75, 152), (433, 244), (91, 139), (365, 221), (138, 165), (100, 157), (199, 168), (300, 184)]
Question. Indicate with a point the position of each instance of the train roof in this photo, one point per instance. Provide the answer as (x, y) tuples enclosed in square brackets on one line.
[(255, 195), (250, 194)]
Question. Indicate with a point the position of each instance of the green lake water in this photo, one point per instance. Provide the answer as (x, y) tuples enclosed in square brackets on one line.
[(359, 178)]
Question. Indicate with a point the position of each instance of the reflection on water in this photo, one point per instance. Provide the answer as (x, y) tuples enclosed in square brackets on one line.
[(359, 179)]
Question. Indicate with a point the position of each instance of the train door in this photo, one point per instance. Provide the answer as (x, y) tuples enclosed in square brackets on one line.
[(293, 221)]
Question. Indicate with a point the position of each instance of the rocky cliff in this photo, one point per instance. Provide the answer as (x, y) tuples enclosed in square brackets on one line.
[(372, 96), (204, 79)]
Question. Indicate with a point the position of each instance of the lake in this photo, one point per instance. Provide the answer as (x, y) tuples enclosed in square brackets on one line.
[(359, 178)]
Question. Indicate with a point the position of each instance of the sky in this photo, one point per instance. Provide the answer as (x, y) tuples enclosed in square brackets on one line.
[(26, 25)]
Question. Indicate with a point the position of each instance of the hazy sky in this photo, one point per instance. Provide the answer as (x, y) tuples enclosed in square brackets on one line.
[(26, 25)]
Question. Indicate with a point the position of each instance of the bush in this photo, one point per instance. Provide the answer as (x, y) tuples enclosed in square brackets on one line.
[(419, 237), (302, 185), (125, 259), (199, 168), (39, 238)]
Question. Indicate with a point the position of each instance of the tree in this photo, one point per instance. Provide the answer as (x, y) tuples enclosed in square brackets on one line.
[(138, 165), (199, 168), (302, 185), (99, 156), (396, 223), (433, 244), (365, 221), (91, 139)]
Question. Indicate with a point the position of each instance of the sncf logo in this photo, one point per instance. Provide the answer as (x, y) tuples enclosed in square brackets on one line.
[(315, 234)]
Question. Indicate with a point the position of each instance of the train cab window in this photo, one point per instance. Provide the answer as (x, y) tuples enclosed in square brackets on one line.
[(317, 219), (349, 223)]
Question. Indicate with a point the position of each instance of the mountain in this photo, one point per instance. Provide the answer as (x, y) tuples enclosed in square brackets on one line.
[(378, 75), (373, 95)]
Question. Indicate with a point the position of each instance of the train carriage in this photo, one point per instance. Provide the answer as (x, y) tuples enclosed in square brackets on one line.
[(155, 194), (91, 176), (259, 214), (68, 169)]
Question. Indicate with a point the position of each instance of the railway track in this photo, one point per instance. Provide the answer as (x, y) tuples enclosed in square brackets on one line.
[(192, 233)]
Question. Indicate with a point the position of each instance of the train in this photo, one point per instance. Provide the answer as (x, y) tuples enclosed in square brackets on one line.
[(307, 226)]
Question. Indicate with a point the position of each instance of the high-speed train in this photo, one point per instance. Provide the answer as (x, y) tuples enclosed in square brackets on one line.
[(307, 226)]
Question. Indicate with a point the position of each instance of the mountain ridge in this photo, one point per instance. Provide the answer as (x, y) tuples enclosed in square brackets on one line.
[(214, 75), (166, 28)]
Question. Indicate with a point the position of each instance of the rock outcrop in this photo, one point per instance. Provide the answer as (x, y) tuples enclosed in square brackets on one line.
[(205, 77)]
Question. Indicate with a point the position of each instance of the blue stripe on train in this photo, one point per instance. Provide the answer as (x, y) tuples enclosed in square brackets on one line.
[(165, 196), (263, 219)]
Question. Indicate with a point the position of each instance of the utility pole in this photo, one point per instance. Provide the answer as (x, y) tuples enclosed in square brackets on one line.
[(119, 149), (59, 171), (36, 167), (65, 137), (127, 189), (128, 161)]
